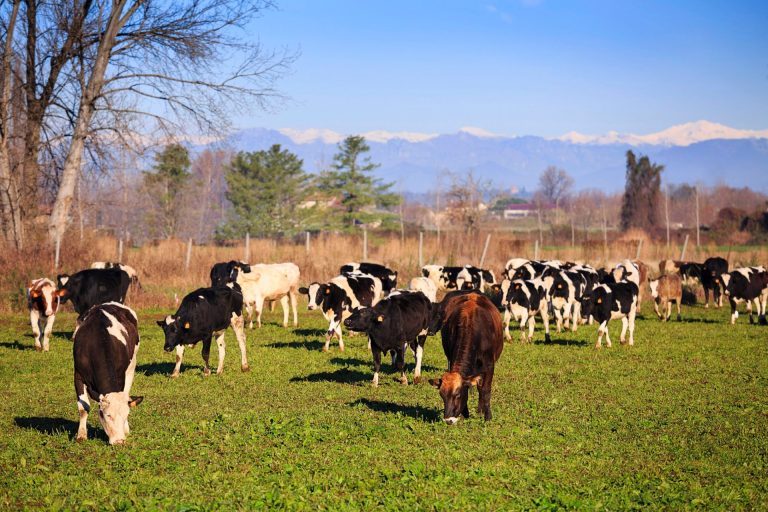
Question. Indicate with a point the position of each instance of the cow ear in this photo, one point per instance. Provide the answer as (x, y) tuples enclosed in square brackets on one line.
[(380, 318), (34, 294), (474, 381), (161, 323), (135, 401), (62, 292), (304, 290), (436, 382)]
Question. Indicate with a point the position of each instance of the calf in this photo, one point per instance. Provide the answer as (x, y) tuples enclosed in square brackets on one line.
[(91, 287), (277, 281), (388, 277), (203, 314), (664, 290), (747, 284), (43, 302), (472, 341), (390, 325), (104, 350), (339, 297), (611, 301), (443, 277), (227, 271), (425, 286), (522, 300)]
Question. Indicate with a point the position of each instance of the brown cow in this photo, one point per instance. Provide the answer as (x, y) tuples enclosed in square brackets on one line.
[(472, 342), (43, 302), (664, 290)]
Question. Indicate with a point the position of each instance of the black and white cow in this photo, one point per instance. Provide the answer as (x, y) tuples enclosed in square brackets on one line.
[(226, 272), (132, 274), (339, 297), (523, 300), (475, 278), (387, 276), (104, 349), (511, 266), (443, 277), (90, 287), (43, 303), (746, 284), (565, 295), (611, 301), (203, 314), (708, 274), (391, 324)]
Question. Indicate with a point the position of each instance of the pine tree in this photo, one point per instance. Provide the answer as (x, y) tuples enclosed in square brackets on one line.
[(642, 193), (164, 187)]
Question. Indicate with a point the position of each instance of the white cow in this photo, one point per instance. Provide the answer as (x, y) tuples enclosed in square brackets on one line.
[(270, 282), (425, 286), (43, 302)]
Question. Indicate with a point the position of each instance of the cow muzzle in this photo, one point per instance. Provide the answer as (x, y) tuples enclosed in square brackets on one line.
[(451, 421)]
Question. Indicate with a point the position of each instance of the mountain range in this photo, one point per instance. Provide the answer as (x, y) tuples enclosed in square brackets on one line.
[(700, 152)]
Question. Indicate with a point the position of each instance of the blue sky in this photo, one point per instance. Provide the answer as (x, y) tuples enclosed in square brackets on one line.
[(515, 67)]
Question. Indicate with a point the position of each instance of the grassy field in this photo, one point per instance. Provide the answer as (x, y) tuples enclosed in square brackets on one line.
[(679, 421)]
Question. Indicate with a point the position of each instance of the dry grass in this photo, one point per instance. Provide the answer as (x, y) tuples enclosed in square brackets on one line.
[(164, 274)]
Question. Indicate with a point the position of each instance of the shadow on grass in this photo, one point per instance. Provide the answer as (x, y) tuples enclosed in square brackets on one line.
[(356, 361), (565, 342), (165, 368), (686, 320), (64, 334), (16, 345), (53, 426), (309, 332), (307, 345), (412, 411), (342, 375)]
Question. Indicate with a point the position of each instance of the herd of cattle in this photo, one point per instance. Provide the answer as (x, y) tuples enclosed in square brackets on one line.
[(364, 297)]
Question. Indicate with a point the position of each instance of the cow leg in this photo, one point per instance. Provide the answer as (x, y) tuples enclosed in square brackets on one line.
[(83, 408), (656, 309), (631, 322), (222, 350), (464, 401), (523, 322), (734, 313), (484, 392), (545, 320), (179, 357), (206, 353), (559, 321), (285, 305), (717, 296), (400, 365), (248, 310), (258, 307), (677, 303), (34, 319), (603, 327), (706, 295), (531, 327), (506, 319), (130, 372), (294, 300), (763, 302), (749, 310), (419, 356), (47, 332), (669, 310), (575, 315), (624, 327), (238, 325), (376, 351)]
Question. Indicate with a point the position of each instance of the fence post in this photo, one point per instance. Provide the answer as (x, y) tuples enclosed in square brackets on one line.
[(188, 259), (365, 243), (247, 253), (536, 250), (698, 239), (682, 253), (307, 242), (57, 253), (421, 249), (639, 248), (485, 249)]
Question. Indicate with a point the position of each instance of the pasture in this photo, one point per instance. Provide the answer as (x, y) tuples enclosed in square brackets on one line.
[(677, 421)]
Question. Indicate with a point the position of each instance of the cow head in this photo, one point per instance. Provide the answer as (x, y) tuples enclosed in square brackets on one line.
[(44, 291), (316, 293), (654, 288), (363, 319), (113, 414), (724, 281), (175, 330), (519, 294), (454, 390)]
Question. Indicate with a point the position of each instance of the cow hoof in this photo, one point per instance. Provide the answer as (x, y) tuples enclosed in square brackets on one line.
[(404, 381), (38, 348), (598, 346), (245, 368), (417, 380), (325, 349), (206, 372), (679, 318), (174, 375), (219, 371), (547, 339), (763, 321), (80, 439)]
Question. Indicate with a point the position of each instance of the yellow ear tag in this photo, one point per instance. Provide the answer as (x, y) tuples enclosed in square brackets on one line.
[(186, 325), (559, 286), (327, 291), (380, 318), (599, 301)]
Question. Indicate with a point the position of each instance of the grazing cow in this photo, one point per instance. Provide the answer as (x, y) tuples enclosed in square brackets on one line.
[(388, 277), (43, 302), (272, 282), (132, 274), (203, 314), (425, 286), (338, 298), (708, 274), (443, 277), (472, 342), (611, 301), (475, 278), (104, 350), (391, 324), (227, 272), (747, 284), (522, 300), (565, 297), (664, 290), (90, 287)]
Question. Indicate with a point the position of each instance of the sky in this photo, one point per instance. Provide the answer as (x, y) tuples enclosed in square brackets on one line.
[(517, 67)]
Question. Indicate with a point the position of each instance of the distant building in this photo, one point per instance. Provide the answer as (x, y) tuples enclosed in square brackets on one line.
[(518, 211)]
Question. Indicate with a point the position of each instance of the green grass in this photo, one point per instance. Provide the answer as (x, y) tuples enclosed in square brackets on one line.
[(680, 421)]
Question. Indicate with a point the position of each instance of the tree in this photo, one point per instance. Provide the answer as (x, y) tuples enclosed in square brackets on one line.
[(464, 199), (361, 195), (165, 185), (555, 184), (266, 189), (640, 204)]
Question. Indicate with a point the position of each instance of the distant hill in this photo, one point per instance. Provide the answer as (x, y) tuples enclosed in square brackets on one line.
[(415, 161)]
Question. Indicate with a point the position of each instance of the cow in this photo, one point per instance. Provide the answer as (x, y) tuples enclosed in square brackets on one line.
[(634, 271), (43, 302), (669, 267), (104, 350), (475, 278), (512, 265), (708, 274), (472, 341), (388, 277), (565, 294), (270, 282), (227, 271), (664, 290), (203, 314), (425, 286), (443, 277), (132, 274), (340, 296), (522, 300), (391, 324), (746, 284), (91, 287), (611, 301)]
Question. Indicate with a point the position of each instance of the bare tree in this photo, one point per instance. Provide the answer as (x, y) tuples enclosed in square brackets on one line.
[(465, 201), (554, 185)]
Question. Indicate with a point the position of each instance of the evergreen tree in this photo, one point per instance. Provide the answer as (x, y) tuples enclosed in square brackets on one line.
[(362, 196), (164, 187), (266, 189), (642, 193)]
